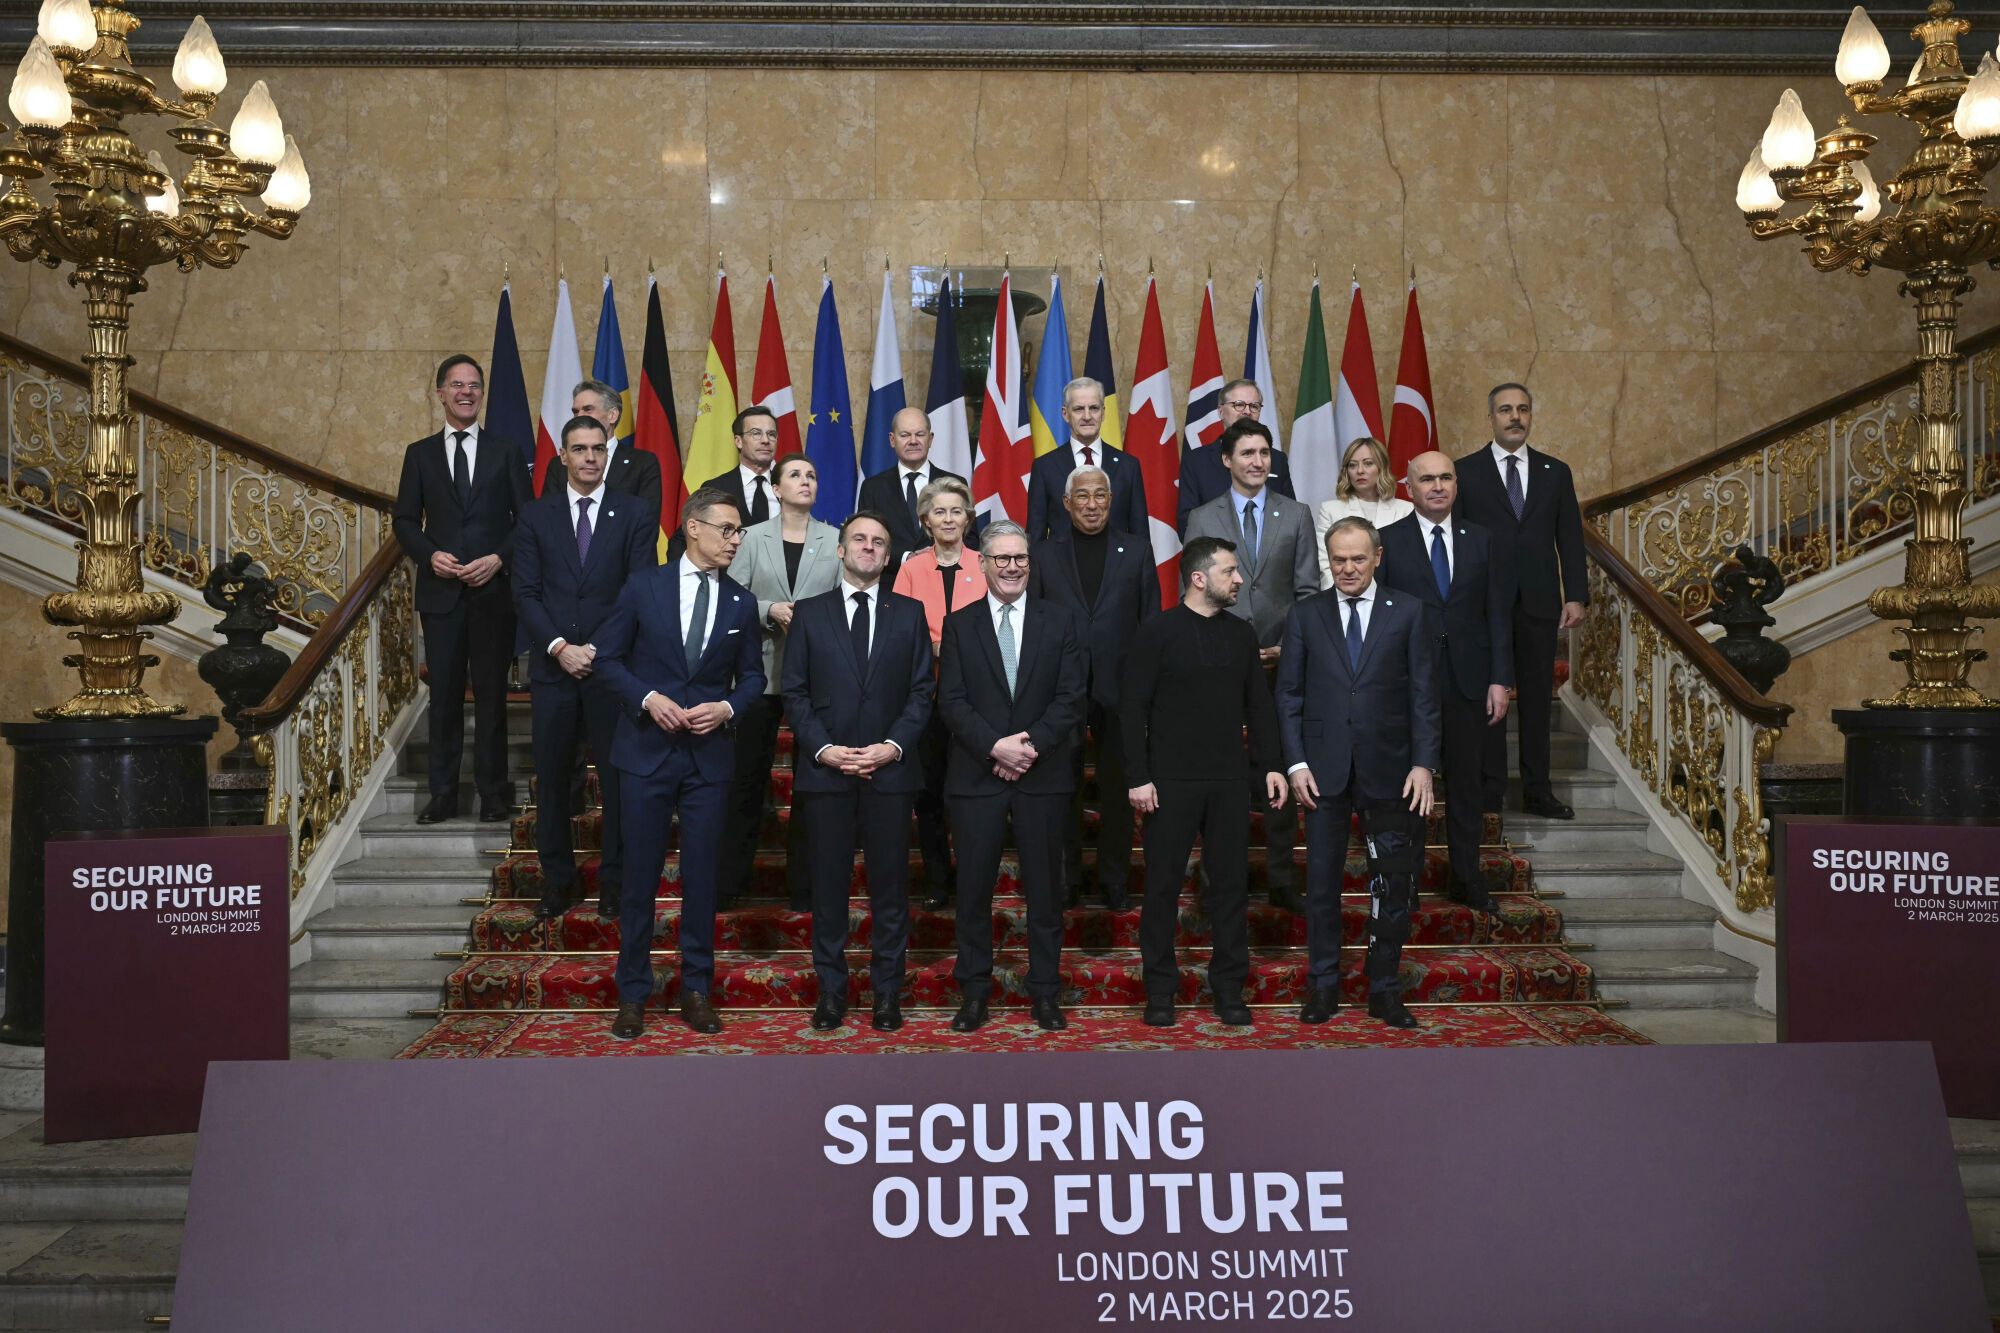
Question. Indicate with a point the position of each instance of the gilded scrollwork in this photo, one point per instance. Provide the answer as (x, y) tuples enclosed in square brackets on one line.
[(1695, 741), (1641, 728), (1750, 839)]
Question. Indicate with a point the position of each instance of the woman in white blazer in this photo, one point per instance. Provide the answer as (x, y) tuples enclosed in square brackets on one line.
[(1365, 490)]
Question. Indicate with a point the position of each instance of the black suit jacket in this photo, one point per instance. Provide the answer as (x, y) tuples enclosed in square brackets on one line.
[(1551, 520), (429, 517), (633, 471), (1203, 477), (1475, 624), (730, 483), (832, 699), (1047, 701), (1052, 469), (883, 493), (1377, 723), (1127, 598), (558, 596)]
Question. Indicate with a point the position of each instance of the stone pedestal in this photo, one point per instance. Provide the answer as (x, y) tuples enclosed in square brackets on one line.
[(86, 776), (1921, 763), (20, 1078)]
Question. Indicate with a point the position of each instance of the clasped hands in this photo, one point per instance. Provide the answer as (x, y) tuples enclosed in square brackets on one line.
[(1013, 756), (859, 761), (473, 573), (699, 720)]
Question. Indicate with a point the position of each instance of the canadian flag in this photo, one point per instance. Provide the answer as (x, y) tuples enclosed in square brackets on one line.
[(1006, 451), (773, 387), (1413, 418), (1152, 440)]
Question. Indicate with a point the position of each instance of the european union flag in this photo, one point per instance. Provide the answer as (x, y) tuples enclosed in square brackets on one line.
[(830, 424)]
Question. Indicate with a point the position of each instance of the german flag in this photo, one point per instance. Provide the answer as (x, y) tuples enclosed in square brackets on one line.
[(658, 430)]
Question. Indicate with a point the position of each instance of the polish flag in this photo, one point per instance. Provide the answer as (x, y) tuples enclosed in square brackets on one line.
[(1006, 451), (559, 381), (1413, 418), (1204, 408), (1152, 440), (773, 387)]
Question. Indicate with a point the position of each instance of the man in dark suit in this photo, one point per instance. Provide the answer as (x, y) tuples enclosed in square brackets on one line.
[(858, 693), (1526, 500), (629, 469), (573, 552), (1107, 580), (455, 508), (681, 655), (1012, 691), (893, 491), (1358, 709), (1203, 475), (1447, 565), (1083, 409), (750, 482)]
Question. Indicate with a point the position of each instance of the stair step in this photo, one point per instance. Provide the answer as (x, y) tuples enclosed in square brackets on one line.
[(86, 1275), (366, 988), (1977, 1143), (133, 1179), (1607, 874), (1673, 978), (390, 931), (386, 881), (1593, 828), (1638, 923), (400, 836), (1581, 788)]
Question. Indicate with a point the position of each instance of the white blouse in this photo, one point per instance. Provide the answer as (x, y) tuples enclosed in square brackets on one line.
[(1329, 512)]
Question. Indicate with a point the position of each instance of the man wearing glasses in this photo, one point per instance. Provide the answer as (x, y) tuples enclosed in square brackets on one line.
[(751, 483), (682, 656), (1203, 476)]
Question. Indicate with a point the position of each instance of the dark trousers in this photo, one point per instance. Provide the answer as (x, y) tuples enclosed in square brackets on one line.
[(1390, 835), (649, 803), (1220, 812), (1534, 681), (567, 712), (471, 643), (1281, 826), (1466, 738), (750, 792), (933, 815), (980, 824), (1114, 826), (879, 823)]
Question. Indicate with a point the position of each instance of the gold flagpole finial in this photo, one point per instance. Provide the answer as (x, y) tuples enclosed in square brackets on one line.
[(1006, 260), (823, 270), (1354, 274), (1413, 275), (720, 267), (885, 263), (769, 265), (1149, 266), (562, 272), (1260, 272), (1315, 270), (506, 272), (649, 266), (607, 266), (1211, 270), (1100, 263)]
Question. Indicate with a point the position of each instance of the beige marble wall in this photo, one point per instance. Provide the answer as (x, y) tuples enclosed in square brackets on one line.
[(1575, 232), (1840, 675)]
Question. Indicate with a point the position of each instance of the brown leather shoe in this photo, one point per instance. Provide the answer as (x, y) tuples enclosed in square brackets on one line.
[(631, 1021), (699, 1014)]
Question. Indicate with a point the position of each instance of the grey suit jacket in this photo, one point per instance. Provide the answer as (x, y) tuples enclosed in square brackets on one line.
[(760, 567), (1285, 569)]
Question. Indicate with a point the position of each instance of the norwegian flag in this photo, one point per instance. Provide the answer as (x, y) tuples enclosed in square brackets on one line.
[(1204, 408), (1006, 452), (1151, 439)]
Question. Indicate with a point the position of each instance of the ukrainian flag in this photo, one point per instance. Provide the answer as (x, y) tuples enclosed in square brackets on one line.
[(1052, 371)]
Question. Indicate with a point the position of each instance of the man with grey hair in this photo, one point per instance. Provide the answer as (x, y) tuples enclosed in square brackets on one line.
[(630, 470), (1203, 476), (1083, 410), (893, 491)]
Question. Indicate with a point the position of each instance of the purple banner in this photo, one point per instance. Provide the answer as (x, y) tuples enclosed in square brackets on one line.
[(1891, 932), (1719, 1188), (166, 950)]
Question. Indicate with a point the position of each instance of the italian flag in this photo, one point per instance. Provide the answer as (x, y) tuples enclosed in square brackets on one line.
[(1315, 450)]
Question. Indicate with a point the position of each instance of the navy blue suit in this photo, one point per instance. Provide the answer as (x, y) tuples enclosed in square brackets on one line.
[(834, 698), (1052, 469), (558, 595), (640, 650), (1203, 477)]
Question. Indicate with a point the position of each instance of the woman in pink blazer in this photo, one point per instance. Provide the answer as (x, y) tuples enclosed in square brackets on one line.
[(947, 575)]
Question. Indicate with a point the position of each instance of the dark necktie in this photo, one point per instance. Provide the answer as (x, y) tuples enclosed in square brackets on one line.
[(1088, 461), (461, 467), (1250, 533), (760, 504), (583, 530), (1440, 562), (1354, 633), (698, 622), (910, 493), (857, 629), (1516, 497)]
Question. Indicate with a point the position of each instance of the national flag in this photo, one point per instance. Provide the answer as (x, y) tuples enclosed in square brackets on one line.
[(655, 427), (885, 389), (1204, 409), (944, 398), (1413, 419), (773, 386), (1052, 371), (830, 421), (1150, 438), (1315, 454), (1357, 403), (559, 382), (607, 363), (1000, 471), (713, 450), (507, 414), (1097, 365), (1257, 362)]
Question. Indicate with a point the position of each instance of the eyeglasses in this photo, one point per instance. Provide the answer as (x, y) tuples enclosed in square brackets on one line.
[(727, 530), (1248, 409), (1009, 559)]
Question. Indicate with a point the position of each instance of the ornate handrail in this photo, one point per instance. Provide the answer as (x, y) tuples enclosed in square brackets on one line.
[(1691, 728), (205, 492), (1813, 493)]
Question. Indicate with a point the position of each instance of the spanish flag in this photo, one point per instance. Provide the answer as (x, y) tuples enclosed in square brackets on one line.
[(712, 452)]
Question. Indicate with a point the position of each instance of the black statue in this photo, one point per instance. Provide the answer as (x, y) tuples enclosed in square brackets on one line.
[(1742, 591), (244, 668)]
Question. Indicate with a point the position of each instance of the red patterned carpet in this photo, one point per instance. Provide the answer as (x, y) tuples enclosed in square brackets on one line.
[(518, 1036)]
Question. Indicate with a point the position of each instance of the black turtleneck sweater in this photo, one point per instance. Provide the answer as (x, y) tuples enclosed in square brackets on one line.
[(1090, 561), (1192, 684)]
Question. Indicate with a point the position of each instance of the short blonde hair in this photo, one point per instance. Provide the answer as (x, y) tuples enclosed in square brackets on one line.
[(1344, 489), (944, 486)]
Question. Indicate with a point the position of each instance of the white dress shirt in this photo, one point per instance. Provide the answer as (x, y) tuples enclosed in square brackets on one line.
[(1096, 447), (1500, 457), (1363, 609), (922, 472), (596, 498), (1019, 618), (1329, 512), (471, 451), (873, 594), (750, 476), (688, 572)]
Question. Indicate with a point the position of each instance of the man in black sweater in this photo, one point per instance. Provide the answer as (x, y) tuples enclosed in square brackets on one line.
[(1193, 682)]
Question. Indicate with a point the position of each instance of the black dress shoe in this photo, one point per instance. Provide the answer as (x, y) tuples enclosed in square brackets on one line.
[(1474, 896), (493, 812), (1049, 1016), (1233, 1012), (1322, 1002), (440, 809), (699, 1014), (554, 902), (1548, 807), (1389, 1008), (631, 1021), (971, 1016), (937, 900), (888, 1016), (1159, 1013), (1285, 896), (607, 906), (827, 1016)]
